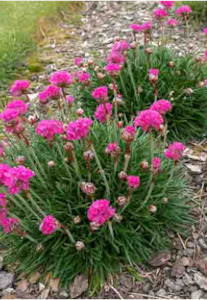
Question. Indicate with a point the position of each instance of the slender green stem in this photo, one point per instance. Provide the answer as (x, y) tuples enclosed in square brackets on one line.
[(76, 166), (169, 180), (147, 196), (63, 158), (69, 235), (34, 203)]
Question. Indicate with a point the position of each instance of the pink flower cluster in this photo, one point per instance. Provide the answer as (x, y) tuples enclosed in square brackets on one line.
[(9, 115), (79, 61), (205, 31), (141, 27), (115, 57), (161, 106), (103, 111), (133, 181), (113, 69), (70, 99), (153, 74), (175, 151), (100, 94), (8, 224), (19, 105), (49, 128), (3, 201), (79, 129), (160, 13), (48, 225), (172, 23), (128, 133), (167, 4), (19, 87), (16, 178), (113, 149), (51, 92), (61, 79), (120, 46), (156, 165), (148, 119), (183, 10), (13, 110), (100, 211), (84, 77)]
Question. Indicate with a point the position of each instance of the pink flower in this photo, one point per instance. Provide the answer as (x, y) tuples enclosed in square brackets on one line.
[(15, 127), (48, 225), (3, 213), (160, 13), (61, 79), (167, 4), (172, 23), (77, 74), (103, 111), (3, 201), (17, 179), (161, 106), (79, 61), (136, 27), (70, 99), (205, 31), (205, 82), (205, 56), (9, 224), (146, 26), (88, 188), (120, 46), (100, 94), (148, 119), (133, 181), (19, 87), (100, 211), (113, 69), (84, 77), (115, 57), (153, 74), (79, 129), (156, 165), (9, 115), (1, 150), (175, 151), (128, 133), (19, 105), (113, 149), (4, 169), (49, 128), (183, 10), (51, 92)]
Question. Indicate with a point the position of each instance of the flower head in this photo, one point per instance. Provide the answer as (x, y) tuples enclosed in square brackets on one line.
[(136, 27), (70, 99), (167, 4), (183, 10), (19, 105), (172, 23), (4, 169), (116, 57), (84, 77), (79, 129), (156, 165), (51, 92), (113, 69), (100, 211), (9, 115), (146, 26), (79, 61), (148, 119), (88, 188), (19, 87), (160, 13), (103, 111), (113, 149), (61, 78), (48, 225), (120, 46), (100, 94), (49, 128), (128, 133), (161, 106), (153, 74), (175, 151), (9, 224), (3, 201), (205, 31), (133, 181)]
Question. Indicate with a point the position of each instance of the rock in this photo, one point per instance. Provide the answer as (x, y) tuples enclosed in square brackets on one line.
[(190, 244), (201, 281), (161, 293), (44, 294), (170, 284), (9, 296), (22, 285), (41, 286), (54, 284), (160, 258), (146, 287), (63, 294), (187, 261), (202, 244), (202, 265), (1, 262), (197, 294), (178, 269), (195, 169), (6, 280), (187, 279), (79, 286), (35, 277)]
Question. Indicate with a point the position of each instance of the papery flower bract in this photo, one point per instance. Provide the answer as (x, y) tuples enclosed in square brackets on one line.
[(161, 106), (100, 94), (183, 10), (19, 105), (205, 31), (19, 87), (160, 13), (9, 224), (79, 61), (100, 211), (79, 129), (61, 78), (48, 225), (174, 151), (51, 92), (148, 119), (103, 111), (113, 149), (167, 4), (18, 178), (9, 115), (120, 46), (128, 133), (84, 77), (156, 164), (115, 57), (48, 128), (3, 201), (172, 23), (113, 69), (133, 181)]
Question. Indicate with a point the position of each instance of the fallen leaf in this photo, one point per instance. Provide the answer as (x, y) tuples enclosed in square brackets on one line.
[(79, 286)]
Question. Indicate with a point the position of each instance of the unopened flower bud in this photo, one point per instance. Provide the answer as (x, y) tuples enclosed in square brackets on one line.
[(144, 165), (88, 188), (100, 75), (133, 45), (120, 124), (118, 218), (165, 200), (97, 68), (171, 64), (188, 91), (77, 220), (90, 62), (121, 200), (198, 59), (94, 226), (51, 164), (69, 146), (64, 137), (20, 160), (148, 51), (88, 154), (122, 175), (190, 45), (201, 84), (79, 246), (139, 89), (152, 209), (20, 129), (80, 112), (32, 119)]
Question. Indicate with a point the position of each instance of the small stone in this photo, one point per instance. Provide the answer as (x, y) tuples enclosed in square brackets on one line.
[(22, 285), (178, 269), (44, 294), (201, 281), (202, 244), (170, 284), (54, 284), (79, 286), (197, 294), (6, 280), (63, 294), (195, 169), (187, 261), (35, 277), (41, 286), (187, 279), (161, 293), (160, 258)]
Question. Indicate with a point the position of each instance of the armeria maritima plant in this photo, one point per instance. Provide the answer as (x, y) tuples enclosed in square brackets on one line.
[(150, 73), (87, 194)]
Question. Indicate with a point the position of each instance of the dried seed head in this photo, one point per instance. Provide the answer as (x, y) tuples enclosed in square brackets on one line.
[(190, 45), (122, 175), (88, 155), (121, 200), (88, 188), (80, 112), (201, 84), (144, 165), (139, 89), (39, 247), (69, 146), (100, 75), (77, 220), (198, 58), (152, 209), (97, 68), (20, 160), (188, 91), (51, 164), (79, 246), (118, 218), (90, 62)]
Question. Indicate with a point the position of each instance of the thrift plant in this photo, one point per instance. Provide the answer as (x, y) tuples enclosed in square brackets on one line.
[(86, 194), (140, 74)]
